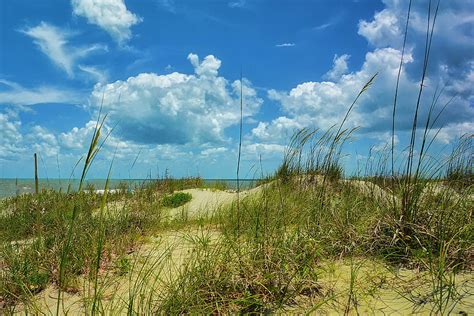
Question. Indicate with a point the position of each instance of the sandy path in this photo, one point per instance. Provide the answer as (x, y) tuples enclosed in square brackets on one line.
[(205, 202)]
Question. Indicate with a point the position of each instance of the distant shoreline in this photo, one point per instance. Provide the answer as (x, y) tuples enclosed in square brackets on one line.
[(16, 186), (130, 179)]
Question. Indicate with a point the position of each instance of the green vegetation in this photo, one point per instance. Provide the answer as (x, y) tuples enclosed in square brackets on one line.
[(176, 199), (397, 237), (168, 184), (273, 255), (218, 185)]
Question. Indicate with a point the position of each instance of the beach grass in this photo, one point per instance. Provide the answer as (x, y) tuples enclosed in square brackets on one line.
[(398, 236)]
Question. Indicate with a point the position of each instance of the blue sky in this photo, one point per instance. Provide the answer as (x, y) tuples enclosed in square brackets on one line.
[(167, 73)]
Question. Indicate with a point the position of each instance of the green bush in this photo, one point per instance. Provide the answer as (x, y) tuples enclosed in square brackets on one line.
[(176, 199)]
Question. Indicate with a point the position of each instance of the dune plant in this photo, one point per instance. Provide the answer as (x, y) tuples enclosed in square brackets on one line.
[(100, 243), (459, 170), (412, 170), (263, 252), (94, 148), (176, 199)]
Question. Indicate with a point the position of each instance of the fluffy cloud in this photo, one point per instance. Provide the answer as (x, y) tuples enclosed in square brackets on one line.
[(323, 104), (209, 66), (15, 143), (110, 15), (175, 120), (77, 141), (77, 138), (176, 108), (280, 129), (213, 151), (43, 141), (11, 135), (255, 151), (384, 141), (54, 43), (453, 131), (339, 67), (384, 30), (452, 46)]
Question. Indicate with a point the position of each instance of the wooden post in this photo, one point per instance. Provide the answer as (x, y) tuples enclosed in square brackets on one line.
[(36, 175)]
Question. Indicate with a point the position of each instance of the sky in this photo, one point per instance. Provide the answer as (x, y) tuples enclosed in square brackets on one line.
[(168, 75)]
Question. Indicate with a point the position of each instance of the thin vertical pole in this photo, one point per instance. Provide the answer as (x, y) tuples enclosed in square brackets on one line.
[(36, 174), (238, 159)]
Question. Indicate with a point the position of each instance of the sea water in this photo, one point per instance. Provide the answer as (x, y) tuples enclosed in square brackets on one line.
[(12, 187)]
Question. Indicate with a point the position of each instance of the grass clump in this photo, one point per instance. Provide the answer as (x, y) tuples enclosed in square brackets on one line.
[(242, 275), (176, 199), (265, 252), (33, 232), (218, 185), (460, 170), (169, 185)]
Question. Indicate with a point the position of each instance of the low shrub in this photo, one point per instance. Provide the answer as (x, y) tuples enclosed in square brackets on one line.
[(176, 199)]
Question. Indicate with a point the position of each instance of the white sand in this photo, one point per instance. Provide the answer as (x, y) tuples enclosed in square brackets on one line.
[(205, 202)]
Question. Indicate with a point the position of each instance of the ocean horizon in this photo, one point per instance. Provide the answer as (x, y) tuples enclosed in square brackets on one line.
[(16, 186)]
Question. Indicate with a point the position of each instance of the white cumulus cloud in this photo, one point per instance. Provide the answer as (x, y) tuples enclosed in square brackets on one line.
[(280, 129), (76, 138), (43, 141), (16, 144), (176, 108), (324, 104), (213, 151), (110, 15), (453, 40), (339, 67), (11, 136), (383, 31), (454, 130), (255, 151)]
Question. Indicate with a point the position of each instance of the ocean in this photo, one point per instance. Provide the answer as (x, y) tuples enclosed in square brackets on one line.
[(12, 187)]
